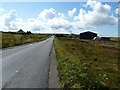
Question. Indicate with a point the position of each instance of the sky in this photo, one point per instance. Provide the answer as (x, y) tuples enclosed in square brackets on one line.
[(60, 17)]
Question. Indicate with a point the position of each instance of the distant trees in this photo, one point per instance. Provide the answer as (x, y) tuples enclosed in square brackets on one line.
[(67, 35), (29, 32), (21, 31)]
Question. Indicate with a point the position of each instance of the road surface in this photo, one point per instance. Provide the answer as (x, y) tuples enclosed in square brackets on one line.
[(27, 66)]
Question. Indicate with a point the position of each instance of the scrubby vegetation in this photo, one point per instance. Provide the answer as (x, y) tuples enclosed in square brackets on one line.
[(14, 39), (88, 65)]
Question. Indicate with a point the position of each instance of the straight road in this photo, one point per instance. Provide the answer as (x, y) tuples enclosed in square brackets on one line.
[(27, 66)]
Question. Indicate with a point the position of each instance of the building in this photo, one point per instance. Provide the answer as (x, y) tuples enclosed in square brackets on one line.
[(88, 35), (102, 38), (97, 38), (21, 31), (105, 38)]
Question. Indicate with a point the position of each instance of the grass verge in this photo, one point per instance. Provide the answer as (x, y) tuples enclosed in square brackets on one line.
[(87, 64), (10, 40)]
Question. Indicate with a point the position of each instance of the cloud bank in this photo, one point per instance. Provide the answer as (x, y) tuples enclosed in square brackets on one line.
[(52, 21)]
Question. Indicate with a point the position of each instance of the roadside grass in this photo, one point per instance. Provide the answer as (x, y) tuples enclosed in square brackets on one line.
[(10, 40), (87, 64)]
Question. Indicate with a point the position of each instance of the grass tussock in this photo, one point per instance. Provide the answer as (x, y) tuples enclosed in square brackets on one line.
[(87, 64)]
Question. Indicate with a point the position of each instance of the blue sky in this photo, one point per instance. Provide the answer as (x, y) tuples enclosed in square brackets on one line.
[(43, 14), (36, 7)]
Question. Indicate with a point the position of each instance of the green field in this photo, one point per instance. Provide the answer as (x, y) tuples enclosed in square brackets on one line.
[(83, 64), (10, 40), (87, 64)]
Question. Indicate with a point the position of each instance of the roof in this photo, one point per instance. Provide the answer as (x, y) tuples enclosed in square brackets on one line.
[(88, 32)]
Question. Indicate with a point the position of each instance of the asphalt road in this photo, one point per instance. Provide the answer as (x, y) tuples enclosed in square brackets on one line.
[(26, 66)]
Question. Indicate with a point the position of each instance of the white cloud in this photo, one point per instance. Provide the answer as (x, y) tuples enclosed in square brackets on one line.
[(7, 19), (71, 13), (52, 21), (99, 15), (2, 11), (116, 11), (98, 6), (47, 14), (61, 15), (35, 25), (58, 23), (49, 20)]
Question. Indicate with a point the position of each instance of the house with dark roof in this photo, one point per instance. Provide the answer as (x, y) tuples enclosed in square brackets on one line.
[(88, 35), (21, 31)]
